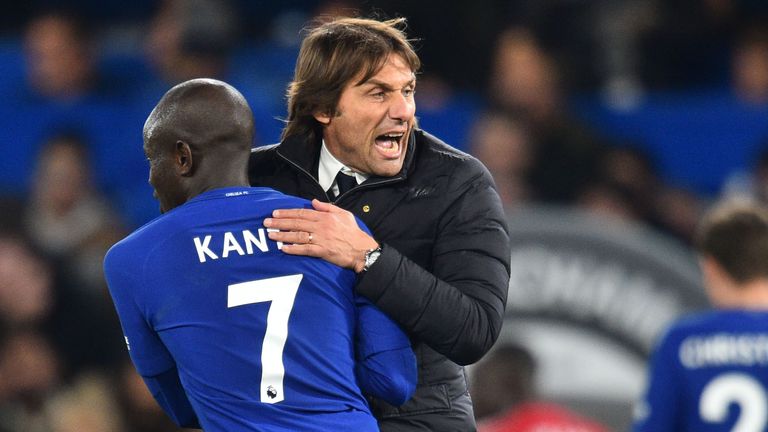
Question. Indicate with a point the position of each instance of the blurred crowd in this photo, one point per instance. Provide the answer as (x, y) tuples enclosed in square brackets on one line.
[(585, 103)]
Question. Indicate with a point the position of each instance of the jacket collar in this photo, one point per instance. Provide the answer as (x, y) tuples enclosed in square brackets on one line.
[(305, 155)]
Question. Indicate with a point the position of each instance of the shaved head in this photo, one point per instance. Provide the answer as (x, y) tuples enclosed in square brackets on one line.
[(198, 137), (204, 112)]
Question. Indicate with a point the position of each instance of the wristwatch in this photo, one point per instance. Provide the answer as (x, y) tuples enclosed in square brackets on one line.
[(370, 257)]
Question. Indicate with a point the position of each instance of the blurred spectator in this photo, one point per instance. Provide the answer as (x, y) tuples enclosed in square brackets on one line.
[(749, 67), (503, 145), (504, 397), (29, 370), (200, 39), (34, 294), (192, 39), (524, 78), (59, 58), (66, 218), (565, 155), (63, 85), (627, 186), (632, 168), (568, 30), (26, 296)]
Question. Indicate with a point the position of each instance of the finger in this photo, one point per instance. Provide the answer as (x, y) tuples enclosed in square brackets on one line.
[(289, 224), (326, 207), (303, 250), (295, 237), (302, 213)]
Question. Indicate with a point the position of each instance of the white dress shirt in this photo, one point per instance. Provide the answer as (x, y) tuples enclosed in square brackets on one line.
[(329, 166)]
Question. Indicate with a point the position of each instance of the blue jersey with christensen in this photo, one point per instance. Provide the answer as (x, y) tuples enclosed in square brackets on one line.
[(261, 340), (709, 374)]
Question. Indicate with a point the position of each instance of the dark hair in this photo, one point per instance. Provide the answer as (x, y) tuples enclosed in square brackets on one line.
[(735, 234), (208, 27), (331, 55), (66, 137), (519, 370)]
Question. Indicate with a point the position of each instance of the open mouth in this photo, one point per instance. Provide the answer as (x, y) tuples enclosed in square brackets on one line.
[(390, 144)]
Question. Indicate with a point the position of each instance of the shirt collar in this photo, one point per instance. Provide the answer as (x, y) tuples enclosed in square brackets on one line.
[(329, 166)]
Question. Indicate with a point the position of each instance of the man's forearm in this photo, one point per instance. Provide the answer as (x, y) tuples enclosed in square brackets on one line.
[(461, 319)]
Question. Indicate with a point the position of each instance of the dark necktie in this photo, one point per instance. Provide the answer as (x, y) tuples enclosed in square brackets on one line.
[(344, 182)]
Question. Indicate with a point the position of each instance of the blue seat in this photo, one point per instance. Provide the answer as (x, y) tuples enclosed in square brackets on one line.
[(698, 138)]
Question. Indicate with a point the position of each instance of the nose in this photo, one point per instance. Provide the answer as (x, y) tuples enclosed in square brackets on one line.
[(402, 108)]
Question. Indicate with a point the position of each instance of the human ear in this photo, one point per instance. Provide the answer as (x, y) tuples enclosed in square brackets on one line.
[(183, 158), (717, 282), (322, 118)]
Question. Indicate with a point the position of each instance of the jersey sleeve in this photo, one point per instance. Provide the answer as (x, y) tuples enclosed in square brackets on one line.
[(385, 366), (124, 279), (150, 357), (658, 411)]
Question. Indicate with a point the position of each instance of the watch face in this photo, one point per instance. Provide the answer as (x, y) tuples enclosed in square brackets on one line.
[(371, 257)]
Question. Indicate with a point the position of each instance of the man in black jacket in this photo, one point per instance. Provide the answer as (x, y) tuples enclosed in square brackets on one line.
[(438, 261)]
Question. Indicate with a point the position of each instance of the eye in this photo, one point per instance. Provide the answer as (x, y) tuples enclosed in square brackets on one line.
[(409, 92), (378, 94)]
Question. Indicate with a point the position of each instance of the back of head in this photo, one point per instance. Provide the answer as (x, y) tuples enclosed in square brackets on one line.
[(333, 54), (735, 234), (209, 115), (196, 139)]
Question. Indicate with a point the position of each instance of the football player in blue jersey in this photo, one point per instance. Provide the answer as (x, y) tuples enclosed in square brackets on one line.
[(710, 371), (229, 333)]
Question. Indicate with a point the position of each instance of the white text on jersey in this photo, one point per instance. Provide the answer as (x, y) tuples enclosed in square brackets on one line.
[(231, 244)]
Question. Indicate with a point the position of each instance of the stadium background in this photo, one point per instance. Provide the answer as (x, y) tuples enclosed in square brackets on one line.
[(609, 126)]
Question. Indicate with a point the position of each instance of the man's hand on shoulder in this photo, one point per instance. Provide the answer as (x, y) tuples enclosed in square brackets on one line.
[(327, 231)]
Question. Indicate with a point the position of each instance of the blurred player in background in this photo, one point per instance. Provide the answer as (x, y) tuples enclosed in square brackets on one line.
[(229, 333), (710, 371)]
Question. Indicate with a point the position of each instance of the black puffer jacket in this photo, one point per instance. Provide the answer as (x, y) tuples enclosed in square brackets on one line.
[(444, 270)]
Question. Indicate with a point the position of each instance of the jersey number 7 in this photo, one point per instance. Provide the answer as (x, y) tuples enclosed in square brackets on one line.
[(281, 292)]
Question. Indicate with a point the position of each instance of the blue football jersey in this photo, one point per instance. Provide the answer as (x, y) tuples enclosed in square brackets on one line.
[(709, 374), (262, 340)]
